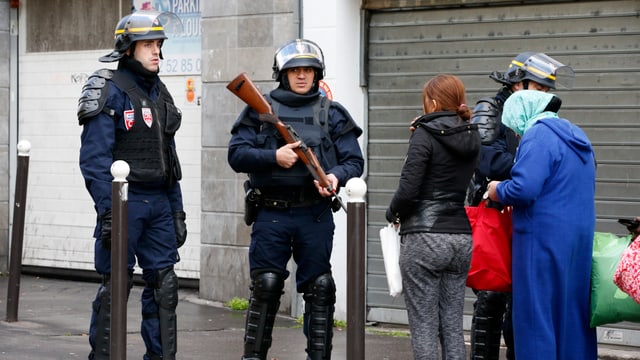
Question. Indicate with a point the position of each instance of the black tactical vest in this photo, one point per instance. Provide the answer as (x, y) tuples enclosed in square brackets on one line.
[(311, 122), (147, 144)]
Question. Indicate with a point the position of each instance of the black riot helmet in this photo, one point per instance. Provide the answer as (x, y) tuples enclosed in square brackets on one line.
[(141, 25), (537, 67), (298, 53)]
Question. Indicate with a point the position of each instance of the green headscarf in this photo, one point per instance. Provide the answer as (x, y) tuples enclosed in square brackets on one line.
[(523, 108)]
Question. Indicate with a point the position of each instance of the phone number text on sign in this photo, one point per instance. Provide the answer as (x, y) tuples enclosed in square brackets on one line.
[(180, 65)]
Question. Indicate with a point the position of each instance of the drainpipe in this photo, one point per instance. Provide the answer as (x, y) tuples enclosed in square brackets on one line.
[(297, 18), (14, 77)]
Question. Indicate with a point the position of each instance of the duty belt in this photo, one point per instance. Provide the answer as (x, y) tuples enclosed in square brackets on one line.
[(285, 204), (289, 198)]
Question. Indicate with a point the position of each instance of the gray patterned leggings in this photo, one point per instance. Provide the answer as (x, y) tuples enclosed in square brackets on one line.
[(434, 270)]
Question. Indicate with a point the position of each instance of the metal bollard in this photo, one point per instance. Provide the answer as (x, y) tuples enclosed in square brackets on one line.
[(17, 234), (356, 256), (119, 243)]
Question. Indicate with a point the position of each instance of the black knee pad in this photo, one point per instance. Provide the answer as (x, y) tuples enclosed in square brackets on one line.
[(102, 308), (320, 297), (166, 296), (321, 291), (266, 289), (106, 279), (491, 303), (267, 285), (166, 289), (486, 324)]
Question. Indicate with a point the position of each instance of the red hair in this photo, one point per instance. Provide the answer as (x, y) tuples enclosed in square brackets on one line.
[(449, 95)]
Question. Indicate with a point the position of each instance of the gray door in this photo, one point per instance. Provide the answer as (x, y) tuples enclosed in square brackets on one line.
[(600, 40)]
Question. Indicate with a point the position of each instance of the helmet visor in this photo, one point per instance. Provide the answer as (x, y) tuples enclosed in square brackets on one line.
[(545, 67), (142, 23), (301, 50)]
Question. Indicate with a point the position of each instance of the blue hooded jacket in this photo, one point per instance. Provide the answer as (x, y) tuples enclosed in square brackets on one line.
[(552, 190)]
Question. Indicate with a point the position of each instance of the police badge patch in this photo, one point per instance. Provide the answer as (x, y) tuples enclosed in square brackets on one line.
[(128, 117), (147, 116)]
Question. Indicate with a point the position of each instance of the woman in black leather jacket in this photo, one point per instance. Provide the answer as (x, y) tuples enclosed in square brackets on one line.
[(429, 206)]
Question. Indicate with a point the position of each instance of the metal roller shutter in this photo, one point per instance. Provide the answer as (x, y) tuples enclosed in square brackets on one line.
[(600, 40)]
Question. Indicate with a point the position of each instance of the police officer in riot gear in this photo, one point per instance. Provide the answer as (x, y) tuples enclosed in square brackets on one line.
[(294, 216), (528, 70), (128, 114)]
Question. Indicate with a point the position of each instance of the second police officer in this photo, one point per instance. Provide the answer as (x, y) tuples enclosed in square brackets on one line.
[(532, 71), (294, 218), (128, 114)]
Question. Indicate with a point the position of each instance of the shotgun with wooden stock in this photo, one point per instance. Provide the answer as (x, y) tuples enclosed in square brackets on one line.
[(247, 91)]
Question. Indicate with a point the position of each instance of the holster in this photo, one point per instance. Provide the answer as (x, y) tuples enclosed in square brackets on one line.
[(251, 203)]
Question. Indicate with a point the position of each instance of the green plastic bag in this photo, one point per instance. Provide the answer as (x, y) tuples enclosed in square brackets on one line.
[(608, 303)]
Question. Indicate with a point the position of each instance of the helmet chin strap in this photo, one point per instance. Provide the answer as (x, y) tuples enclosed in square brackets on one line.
[(284, 82)]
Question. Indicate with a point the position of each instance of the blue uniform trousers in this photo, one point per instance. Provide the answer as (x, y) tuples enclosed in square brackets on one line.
[(152, 242), (306, 233)]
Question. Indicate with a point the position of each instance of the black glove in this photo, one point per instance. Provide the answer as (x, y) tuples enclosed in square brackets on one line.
[(181, 227), (105, 230), (391, 217)]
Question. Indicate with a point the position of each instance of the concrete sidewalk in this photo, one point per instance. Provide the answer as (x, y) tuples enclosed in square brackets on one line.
[(53, 321)]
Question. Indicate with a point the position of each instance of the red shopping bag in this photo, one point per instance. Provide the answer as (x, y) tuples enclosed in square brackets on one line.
[(491, 255), (627, 275)]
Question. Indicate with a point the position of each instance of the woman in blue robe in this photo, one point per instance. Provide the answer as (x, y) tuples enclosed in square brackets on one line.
[(552, 190)]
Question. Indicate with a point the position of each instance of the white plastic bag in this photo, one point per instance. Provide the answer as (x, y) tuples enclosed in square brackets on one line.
[(390, 242)]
